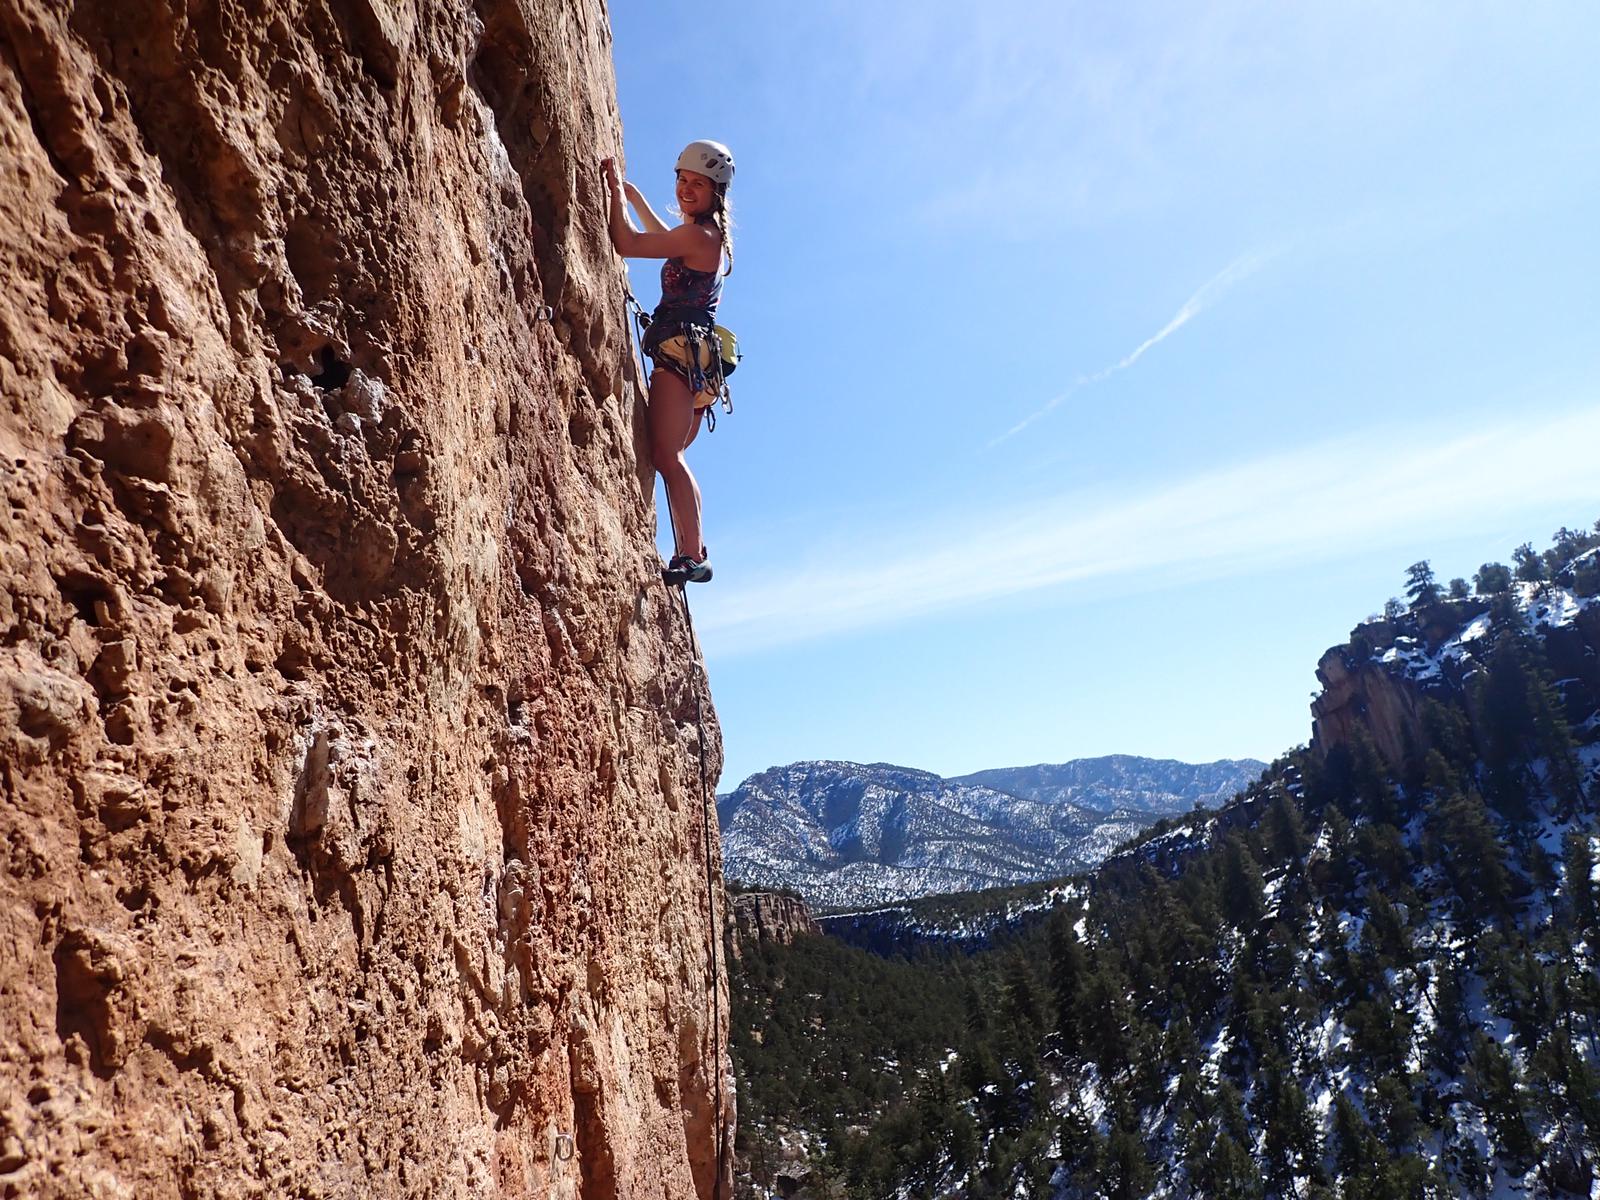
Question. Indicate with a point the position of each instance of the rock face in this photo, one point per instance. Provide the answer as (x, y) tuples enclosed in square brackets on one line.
[(769, 917), (1374, 688), (1360, 696), (351, 823)]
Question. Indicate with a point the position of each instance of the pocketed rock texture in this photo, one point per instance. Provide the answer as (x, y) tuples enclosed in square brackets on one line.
[(352, 794)]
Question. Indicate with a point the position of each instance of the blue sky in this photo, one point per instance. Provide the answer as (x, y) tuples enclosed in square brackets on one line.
[(1105, 364)]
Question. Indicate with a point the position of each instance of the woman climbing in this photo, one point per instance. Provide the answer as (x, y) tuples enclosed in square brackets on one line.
[(680, 340)]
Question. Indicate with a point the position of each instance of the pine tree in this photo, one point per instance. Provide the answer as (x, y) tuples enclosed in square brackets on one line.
[(1491, 579), (1243, 889), (1107, 1018), (1385, 932), (1246, 1028), (1530, 566), (1495, 1079), (1552, 738), (1067, 967), (1222, 1168), (1567, 544), (1353, 1142), (1459, 589), (1447, 1040), (1370, 783), (1021, 1005), (1287, 839), (1523, 722), (977, 1012), (1586, 576), (1290, 1144), (1421, 587), (1390, 1102), (1024, 1023), (979, 1069), (1077, 1142), (1338, 870), (1521, 987), (1565, 1087), (1463, 843), (1448, 731), (1579, 908), (1128, 1172), (1380, 1034), (1389, 863)]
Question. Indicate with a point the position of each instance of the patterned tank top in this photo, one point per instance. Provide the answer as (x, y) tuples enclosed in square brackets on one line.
[(684, 287)]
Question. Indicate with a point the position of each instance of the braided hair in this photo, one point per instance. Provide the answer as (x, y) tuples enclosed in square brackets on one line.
[(721, 215)]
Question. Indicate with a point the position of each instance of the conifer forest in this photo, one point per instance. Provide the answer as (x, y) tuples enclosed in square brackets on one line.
[(1371, 976)]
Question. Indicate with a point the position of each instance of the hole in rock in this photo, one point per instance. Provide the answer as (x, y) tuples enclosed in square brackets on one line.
[(83, 591), (335, 371)]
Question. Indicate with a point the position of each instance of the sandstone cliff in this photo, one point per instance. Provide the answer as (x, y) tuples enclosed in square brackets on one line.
[(1374, 687), (769, 917), (352, 830)]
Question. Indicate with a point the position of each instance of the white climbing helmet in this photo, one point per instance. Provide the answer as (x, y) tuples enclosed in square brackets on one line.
[(711, 159)]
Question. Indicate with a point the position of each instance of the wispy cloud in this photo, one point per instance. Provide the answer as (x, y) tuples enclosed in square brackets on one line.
[(1210, 292), (1312, 504)]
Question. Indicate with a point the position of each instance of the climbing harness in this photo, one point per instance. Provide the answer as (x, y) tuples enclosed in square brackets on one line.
[(704, 352)]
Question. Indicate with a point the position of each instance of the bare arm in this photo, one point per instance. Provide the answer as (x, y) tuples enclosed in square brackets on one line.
[(621, 228), (695, 243), (686, 241), (647, 215)]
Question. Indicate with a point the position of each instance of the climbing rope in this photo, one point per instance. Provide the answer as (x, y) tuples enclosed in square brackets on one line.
[(715, 937), (711, 897), (636, 336), (637, 343)]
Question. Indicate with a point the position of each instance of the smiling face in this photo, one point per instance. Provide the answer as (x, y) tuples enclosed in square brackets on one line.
[(695, 192)]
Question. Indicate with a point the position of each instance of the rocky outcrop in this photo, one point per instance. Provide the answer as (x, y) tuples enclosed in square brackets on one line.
[(351, 830), (769, 917), (1374, 688), (1573, 651), (1360, 696)]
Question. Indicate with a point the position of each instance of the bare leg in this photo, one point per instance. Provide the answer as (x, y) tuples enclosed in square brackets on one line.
[(674, 421)]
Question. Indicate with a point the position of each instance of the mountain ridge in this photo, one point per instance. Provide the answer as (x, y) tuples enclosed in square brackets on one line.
[(1090, 781), (846, 834)]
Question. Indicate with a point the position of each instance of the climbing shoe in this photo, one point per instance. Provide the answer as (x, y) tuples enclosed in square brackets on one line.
[(685, 569)]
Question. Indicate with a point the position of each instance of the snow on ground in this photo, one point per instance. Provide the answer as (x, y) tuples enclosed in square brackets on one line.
[(1552, 606), (1415, 662), (1542, 604)]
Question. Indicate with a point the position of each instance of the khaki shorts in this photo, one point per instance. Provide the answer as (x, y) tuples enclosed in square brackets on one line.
[(673, 354)]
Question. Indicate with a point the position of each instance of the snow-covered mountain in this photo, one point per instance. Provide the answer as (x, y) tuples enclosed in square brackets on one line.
[(849, 835), (1125, 782)]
